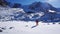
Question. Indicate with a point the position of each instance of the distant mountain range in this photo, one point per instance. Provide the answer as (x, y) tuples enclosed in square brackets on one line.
[(35, 6), (39, 6)]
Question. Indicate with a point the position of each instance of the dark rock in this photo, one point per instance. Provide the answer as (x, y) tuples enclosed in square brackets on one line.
[(59, 23), (53, 23), (16, 5), (4, 3), (11, 27), (1, 31), (3, 28), (0, 27), (26, 26)]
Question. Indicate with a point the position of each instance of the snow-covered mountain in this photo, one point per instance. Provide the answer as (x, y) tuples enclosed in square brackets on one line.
[(18, 14), (35, 11), (38, 7), (9, 13), (51, 14)]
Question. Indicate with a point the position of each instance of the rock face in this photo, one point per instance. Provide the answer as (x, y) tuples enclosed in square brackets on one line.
[(3, 3), (16, 5)]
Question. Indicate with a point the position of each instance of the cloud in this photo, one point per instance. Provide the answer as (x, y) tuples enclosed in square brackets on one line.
[(52, 0), (55, 3)]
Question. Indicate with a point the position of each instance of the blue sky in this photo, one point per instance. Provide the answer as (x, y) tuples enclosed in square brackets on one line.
[(55, 3)]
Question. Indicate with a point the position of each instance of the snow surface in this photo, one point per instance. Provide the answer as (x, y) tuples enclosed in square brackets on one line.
[(22, 27), (52, 11)]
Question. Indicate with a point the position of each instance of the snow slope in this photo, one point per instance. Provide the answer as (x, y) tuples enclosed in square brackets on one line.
[(7, 14), (21, 27)]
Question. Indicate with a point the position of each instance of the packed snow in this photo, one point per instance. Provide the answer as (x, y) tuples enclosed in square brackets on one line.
[(22, 27)]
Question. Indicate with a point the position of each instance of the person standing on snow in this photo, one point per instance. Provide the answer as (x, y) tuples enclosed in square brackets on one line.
[(36, 24)]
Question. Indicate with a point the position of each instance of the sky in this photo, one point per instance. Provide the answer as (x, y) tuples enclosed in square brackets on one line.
[(55, 3)]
